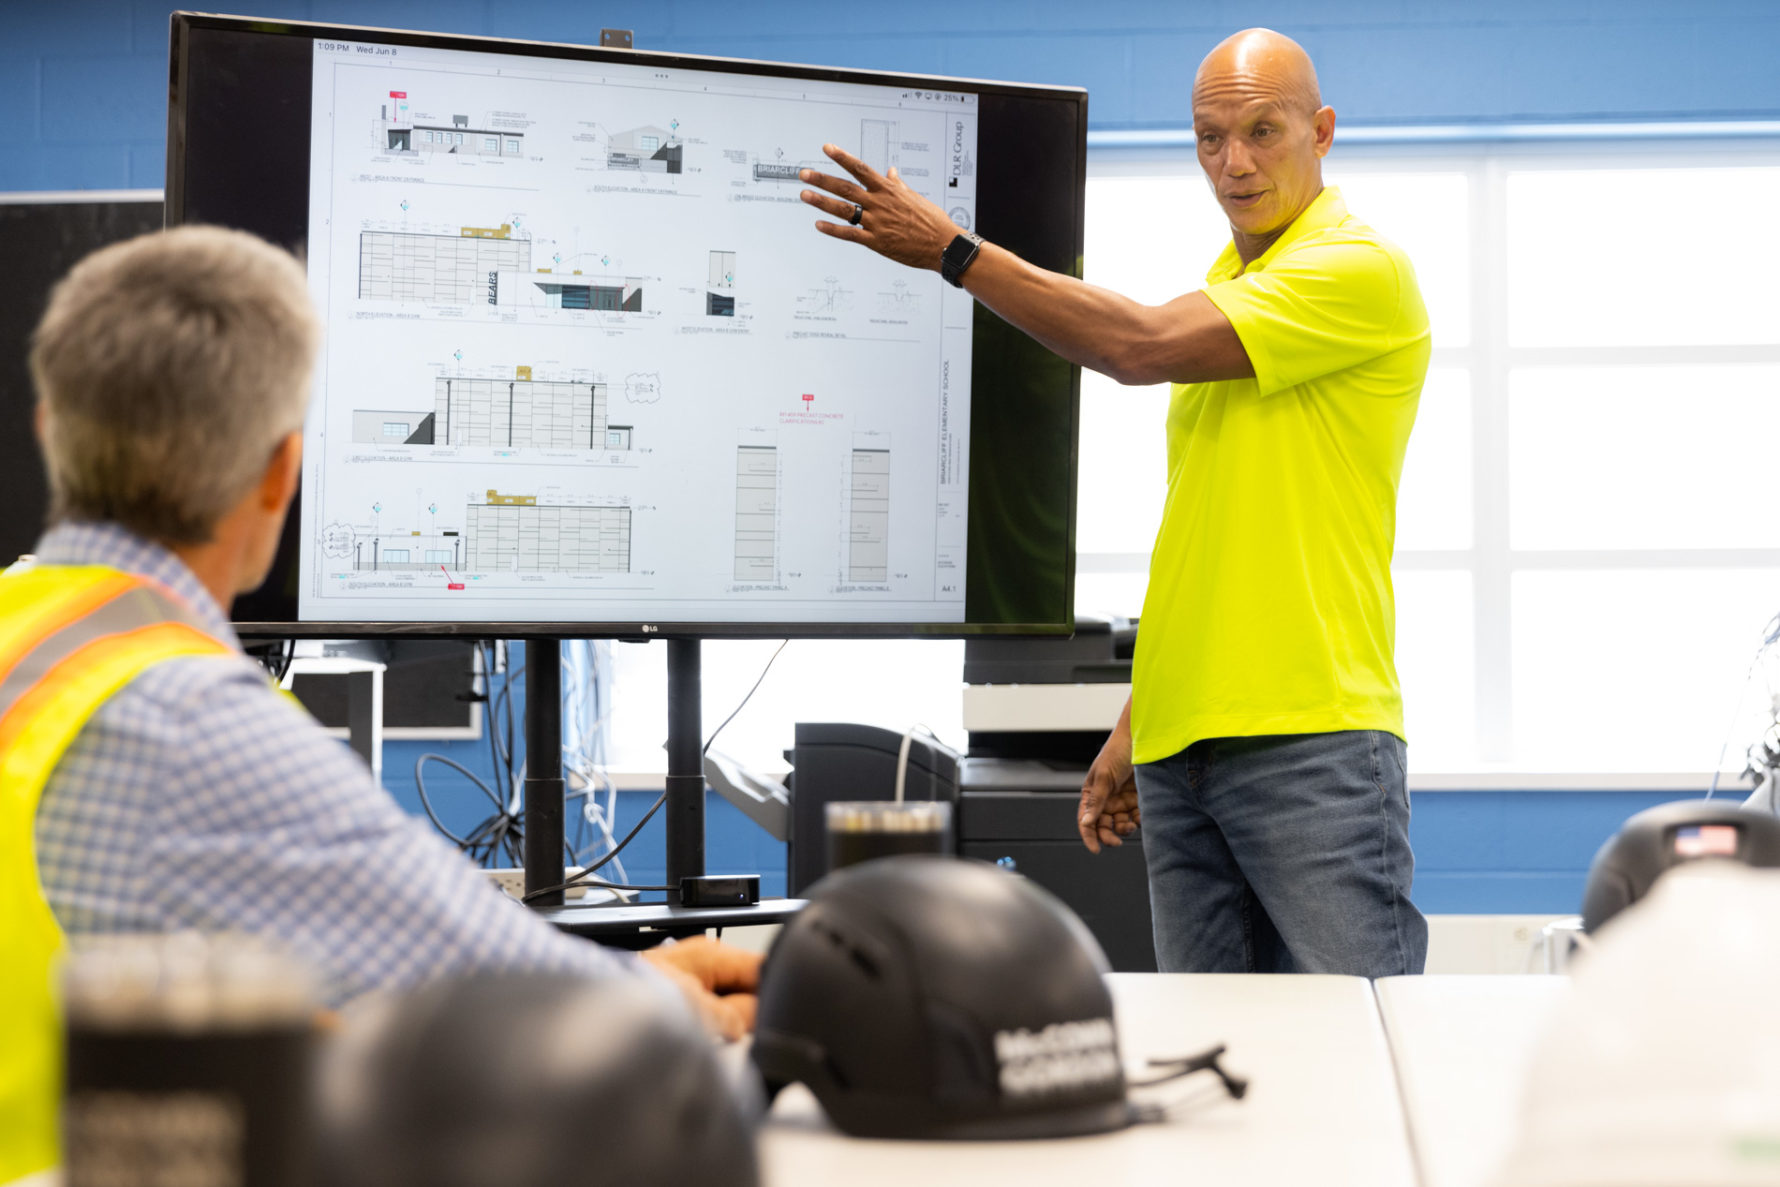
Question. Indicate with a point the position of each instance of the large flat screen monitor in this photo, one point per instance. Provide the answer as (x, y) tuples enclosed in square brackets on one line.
[(590, 370)]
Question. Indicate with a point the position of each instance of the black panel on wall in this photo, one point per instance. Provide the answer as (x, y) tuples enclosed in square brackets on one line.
[(40, 241)]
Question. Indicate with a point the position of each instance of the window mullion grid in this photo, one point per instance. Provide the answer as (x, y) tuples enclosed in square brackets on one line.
[(1493, 576)]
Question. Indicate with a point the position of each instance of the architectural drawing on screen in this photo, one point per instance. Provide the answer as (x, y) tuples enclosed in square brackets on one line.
[(899, 300), (645, 150), (868, 512), (570, 300), (774, 166), (372, 426), (544, 289), (439, 268), (757, 513), (516, 534), (408, 552), (522, 412), (878, 145), (643, 387), (825, 300), (401, 131), (720, 285)]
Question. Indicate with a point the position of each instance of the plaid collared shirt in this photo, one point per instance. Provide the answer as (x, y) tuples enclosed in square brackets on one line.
[(198, 797)]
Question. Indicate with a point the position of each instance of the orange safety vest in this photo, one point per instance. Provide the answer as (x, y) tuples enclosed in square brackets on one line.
[(70, 637)]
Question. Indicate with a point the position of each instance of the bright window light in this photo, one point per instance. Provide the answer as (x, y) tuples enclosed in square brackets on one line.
[(1434, 498), (1633, 670), (1437, 666), (1123, 466), (1151, 238), (1666, 256), (1428, 215), (1660, 456), (893, 683)]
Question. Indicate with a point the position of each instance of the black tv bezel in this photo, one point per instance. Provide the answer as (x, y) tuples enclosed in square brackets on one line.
[(183, 22)]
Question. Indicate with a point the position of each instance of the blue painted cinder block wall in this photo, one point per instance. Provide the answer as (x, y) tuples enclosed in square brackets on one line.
[(1477, 852), (83, 82), (82, 106)]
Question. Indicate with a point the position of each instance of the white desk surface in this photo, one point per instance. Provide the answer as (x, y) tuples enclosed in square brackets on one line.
[(1322, 1105), (1462, 1045)]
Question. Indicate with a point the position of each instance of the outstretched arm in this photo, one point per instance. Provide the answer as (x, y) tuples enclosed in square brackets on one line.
[(1186, 340)]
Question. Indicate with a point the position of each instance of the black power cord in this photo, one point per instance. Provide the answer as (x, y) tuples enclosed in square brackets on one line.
[(584, 878), (498, 838)]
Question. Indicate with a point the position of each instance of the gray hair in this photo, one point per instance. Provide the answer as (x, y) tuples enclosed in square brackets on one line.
[(168, 367)]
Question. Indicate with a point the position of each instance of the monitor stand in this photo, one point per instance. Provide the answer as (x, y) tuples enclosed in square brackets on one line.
[(626, 925)]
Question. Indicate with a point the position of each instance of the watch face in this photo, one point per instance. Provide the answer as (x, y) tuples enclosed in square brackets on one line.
[(961, 216)]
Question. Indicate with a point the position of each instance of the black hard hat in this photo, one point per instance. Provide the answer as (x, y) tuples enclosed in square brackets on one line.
[(529, 1080), (1660, 838), (933, 997)]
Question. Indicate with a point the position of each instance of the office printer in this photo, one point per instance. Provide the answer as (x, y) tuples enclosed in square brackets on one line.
[(1037, 712)]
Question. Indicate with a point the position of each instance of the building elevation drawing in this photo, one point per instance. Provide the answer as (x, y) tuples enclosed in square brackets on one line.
[(585, 359)]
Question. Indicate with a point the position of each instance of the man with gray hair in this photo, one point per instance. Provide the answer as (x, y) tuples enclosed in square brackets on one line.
[(150, 777)]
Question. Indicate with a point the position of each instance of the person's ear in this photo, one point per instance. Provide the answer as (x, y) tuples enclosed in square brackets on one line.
[(279, 483), (1324, 132)]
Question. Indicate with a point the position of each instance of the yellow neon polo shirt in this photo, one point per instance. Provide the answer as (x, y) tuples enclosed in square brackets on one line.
[(1270, 608)]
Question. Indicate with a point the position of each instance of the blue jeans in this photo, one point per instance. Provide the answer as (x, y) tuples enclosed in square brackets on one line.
[(1282, 854)]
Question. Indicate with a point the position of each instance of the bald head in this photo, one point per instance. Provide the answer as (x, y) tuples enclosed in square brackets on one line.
[(1262, 132), (1258, 63)]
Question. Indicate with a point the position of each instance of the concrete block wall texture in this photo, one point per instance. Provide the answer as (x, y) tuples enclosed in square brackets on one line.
[(82, 83), (83, 106)]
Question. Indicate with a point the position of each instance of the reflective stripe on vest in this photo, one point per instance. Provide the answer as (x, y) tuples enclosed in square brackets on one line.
[(70, 637)]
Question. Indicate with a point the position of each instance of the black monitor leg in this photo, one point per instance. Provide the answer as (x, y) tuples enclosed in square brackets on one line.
[(686, 772), (543, 770)]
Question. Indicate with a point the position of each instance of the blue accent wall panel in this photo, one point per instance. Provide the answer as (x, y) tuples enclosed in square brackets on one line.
[(1522, 852), (105, 97), (20, 85), (82, 83)]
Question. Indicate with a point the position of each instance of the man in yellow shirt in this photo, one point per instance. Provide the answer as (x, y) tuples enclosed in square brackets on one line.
[(1263, 744)]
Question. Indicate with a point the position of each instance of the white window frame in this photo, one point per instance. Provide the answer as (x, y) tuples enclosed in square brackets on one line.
[(1488, 358)]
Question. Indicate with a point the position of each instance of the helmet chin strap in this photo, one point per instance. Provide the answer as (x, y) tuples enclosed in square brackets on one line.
[(1186, 1065)]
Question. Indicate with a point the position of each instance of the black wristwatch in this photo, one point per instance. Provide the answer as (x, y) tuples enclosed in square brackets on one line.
[(958, 256)]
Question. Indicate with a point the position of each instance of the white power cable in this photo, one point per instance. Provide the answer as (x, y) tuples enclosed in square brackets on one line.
[(1770, 636), (902, 755), (587, 691)]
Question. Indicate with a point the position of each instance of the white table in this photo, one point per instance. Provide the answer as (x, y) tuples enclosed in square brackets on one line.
[(1322, 1106), (1462, 1046)]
